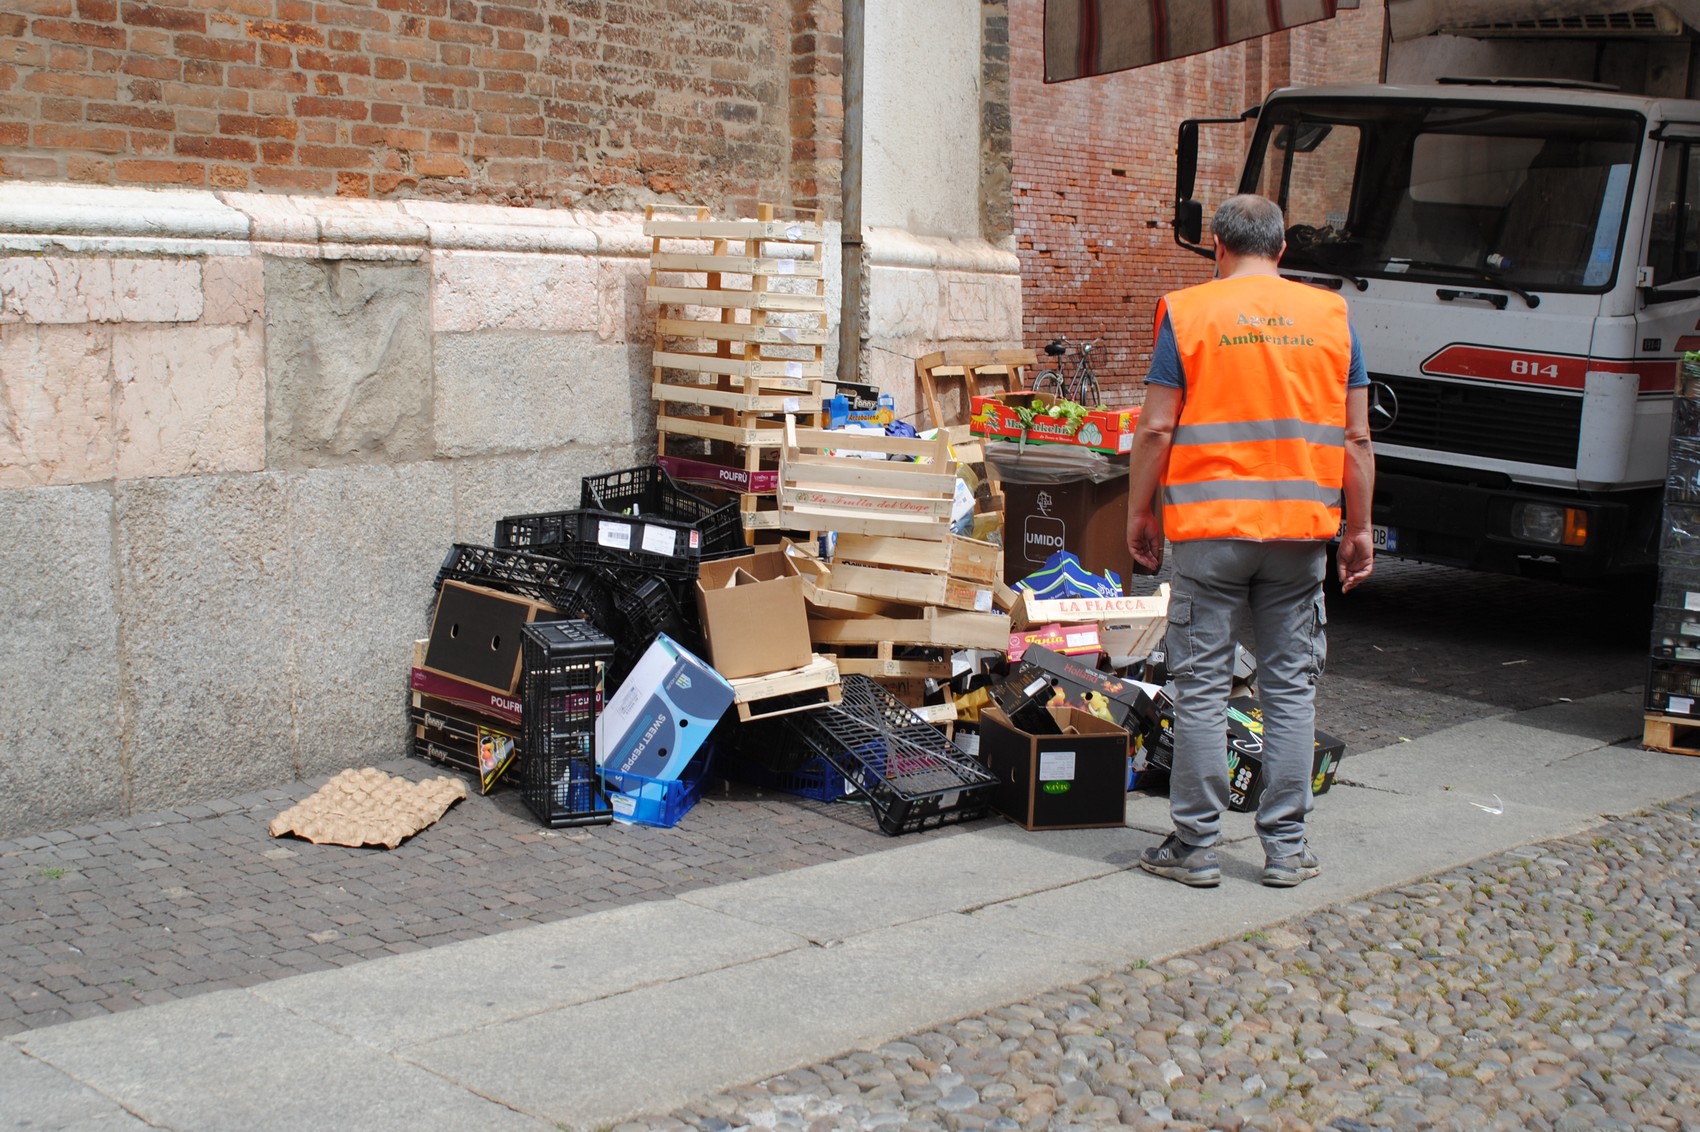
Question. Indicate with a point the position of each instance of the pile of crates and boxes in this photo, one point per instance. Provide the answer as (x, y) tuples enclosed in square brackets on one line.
[(799, 593)]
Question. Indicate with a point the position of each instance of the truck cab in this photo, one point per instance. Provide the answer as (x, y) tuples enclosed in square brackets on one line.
[(1521, 262)]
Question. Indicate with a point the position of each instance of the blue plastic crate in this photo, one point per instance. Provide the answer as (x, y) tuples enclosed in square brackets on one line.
[(658, 802), (816, 779)]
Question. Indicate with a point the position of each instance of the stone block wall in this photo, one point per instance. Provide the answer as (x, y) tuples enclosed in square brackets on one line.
[(238, 433), (1094, 165)]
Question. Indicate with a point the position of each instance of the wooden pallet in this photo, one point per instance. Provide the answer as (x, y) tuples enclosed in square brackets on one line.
[(741, 327), (1672, 734), (781, 693), (880, 660)]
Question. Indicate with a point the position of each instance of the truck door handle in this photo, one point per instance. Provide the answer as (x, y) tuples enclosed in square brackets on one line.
[(1448, 294)]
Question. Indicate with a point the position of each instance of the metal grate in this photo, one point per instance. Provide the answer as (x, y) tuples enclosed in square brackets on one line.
[(1479, 420), (1641, 22)]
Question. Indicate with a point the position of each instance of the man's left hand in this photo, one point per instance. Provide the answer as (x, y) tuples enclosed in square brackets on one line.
[(1356, 558)]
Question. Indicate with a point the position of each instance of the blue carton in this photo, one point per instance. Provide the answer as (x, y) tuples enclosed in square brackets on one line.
[(653, 726)]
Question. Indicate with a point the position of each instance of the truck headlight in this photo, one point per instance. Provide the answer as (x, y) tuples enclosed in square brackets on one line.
[(1549, 523)]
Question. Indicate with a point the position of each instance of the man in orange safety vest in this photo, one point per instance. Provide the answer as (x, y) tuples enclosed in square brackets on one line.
[(1256, 428)]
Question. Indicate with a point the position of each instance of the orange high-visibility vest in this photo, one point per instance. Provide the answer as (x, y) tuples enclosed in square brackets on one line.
[(1259, 449)]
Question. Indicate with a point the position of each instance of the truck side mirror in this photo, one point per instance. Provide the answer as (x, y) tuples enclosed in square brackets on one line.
[(1189, 221), (1186, 159)]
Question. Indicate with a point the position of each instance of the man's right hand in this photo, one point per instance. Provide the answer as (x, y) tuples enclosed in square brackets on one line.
[(1356, 557), (1145, 539)]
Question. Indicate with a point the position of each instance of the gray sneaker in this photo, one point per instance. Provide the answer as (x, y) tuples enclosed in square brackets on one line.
[(1192, 865), (1286, 872)]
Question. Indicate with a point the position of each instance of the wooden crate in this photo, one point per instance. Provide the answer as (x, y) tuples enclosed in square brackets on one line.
[(980, 371), (971, 560), (824, 488), (932, 626), (1672, 734), (911, 587)]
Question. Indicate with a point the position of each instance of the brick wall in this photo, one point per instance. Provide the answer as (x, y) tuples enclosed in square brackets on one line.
[(594, 103), (1094, 174)]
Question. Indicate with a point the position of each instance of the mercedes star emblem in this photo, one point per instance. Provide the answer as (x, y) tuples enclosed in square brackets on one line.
[(1383, 406)]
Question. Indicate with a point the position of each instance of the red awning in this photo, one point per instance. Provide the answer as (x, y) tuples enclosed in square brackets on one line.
[(1095, 37)]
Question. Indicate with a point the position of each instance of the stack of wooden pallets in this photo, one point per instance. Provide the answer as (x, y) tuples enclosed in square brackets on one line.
[(739, 336), (901, 592)]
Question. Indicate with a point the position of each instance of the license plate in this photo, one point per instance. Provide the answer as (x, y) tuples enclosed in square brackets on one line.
[(1384, 538)]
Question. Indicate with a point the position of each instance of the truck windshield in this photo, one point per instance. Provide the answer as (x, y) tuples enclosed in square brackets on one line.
[(1531, 196)]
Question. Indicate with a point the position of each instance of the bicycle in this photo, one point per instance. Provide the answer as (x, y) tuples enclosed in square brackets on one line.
[(1080, 386)]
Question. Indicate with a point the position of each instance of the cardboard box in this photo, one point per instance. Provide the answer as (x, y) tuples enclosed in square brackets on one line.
[(753, 615), (660, 717), (503, 707), (446, 732), (708, 473), (1102, 430), (1074, 780), (1126, 703), (1087, 519), (1147, 614), (1245, 753), (475, 635), (1069, 640)]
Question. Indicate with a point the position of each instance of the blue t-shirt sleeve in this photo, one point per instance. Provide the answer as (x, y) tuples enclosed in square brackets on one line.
[(1357, 376), (1166, 358)]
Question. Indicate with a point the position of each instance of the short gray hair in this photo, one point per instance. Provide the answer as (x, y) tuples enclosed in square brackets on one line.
[(1248, 224)]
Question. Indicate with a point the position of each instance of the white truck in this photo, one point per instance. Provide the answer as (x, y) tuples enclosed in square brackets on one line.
[(1521, 260)]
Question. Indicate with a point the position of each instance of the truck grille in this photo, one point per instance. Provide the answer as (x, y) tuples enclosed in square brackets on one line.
[(1479, 420)]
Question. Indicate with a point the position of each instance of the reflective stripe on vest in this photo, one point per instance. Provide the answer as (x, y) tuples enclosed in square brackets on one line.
[(1259, 448)]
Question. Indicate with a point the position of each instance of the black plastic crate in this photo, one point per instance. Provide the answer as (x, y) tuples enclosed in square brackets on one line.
[(650, 492), (1673, 688), (554, 533), (914, 777), (510, 571), (631, 545), (1676, 634), (561, 685)]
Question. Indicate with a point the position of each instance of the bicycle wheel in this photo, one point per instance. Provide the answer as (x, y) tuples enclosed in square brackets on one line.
[(1049, 381), (1090, 395)]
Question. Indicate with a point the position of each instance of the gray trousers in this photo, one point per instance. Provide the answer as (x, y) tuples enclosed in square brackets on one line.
[(1278, 585)]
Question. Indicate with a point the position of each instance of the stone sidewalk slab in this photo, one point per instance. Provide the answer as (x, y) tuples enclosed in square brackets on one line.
[(460, 987), (227, 1060), (644, 1008), (657, 1047)]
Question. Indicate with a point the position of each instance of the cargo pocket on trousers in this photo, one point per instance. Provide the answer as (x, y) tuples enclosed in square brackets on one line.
[(1178, 640), (1318, 637)]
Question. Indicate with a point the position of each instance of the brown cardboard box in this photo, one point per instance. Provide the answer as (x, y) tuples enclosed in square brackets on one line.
[(753, 617), (1076, 780), (1087, 519), (475, 635)]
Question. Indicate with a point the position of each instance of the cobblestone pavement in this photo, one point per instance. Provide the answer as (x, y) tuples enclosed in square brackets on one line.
[(123, 913), (1549, 987)]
